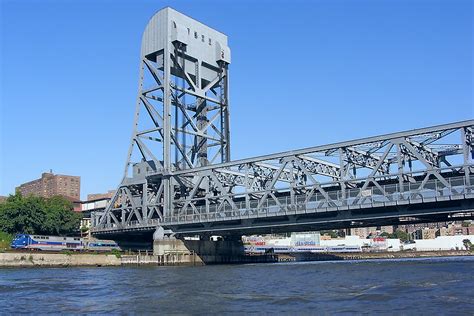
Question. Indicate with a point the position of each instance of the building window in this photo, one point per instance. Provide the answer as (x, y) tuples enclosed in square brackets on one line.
[(210, 41), (202, 38), (195, 34)]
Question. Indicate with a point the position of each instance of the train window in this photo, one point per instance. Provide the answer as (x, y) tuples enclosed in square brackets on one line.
[(64, 238)]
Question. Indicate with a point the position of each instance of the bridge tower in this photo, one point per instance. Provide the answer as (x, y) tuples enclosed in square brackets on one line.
[(181, 117)]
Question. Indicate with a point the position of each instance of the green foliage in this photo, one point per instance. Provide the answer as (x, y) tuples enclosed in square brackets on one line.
[(5, 241), (403, 236), (467, 243), (399, 234), (331, 233), (37, 215), (22, 215), (60, 217), (116, 252)]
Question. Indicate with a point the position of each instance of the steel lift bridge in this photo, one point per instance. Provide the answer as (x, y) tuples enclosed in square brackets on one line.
[(179, 175)]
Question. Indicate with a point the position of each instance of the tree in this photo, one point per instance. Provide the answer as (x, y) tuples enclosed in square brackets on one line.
[(331, 233), (22, 214), (37, 215), (399, 234), (467, 243), (60, 216)]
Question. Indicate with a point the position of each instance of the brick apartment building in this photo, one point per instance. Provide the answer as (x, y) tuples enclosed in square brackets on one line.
[(53, 184), (100, 196)]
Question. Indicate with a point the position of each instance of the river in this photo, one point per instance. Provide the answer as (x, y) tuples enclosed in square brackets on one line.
[(406, 286)]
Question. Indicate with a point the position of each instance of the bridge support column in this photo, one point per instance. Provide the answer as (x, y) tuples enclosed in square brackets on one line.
[(203, 251)]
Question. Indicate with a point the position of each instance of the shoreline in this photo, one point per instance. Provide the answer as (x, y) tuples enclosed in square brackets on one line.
[(29, 259), (33, 260), (299, 257)]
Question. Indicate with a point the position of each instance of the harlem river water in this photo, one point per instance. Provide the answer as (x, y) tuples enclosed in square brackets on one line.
[(407, 286)]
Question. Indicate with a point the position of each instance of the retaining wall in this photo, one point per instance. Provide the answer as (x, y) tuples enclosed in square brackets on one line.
[(19, 259)]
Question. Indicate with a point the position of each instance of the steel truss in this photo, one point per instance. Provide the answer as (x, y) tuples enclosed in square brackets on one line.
[(189, 118), (385, 169), (181, 120), (178, 167)]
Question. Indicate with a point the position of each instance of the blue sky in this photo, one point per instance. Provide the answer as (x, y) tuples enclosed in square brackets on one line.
[(303, 73)]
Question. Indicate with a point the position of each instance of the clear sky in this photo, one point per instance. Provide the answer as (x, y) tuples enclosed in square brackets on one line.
[(303, 73)]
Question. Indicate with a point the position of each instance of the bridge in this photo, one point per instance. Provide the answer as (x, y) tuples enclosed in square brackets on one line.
[(179, 176)]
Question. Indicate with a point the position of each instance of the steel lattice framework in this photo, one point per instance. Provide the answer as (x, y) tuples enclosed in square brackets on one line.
[(179, 182)]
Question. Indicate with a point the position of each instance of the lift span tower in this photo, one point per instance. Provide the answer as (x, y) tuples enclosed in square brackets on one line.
[(179, 178)]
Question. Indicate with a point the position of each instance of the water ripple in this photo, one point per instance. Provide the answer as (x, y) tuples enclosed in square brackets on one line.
[(426, 286)]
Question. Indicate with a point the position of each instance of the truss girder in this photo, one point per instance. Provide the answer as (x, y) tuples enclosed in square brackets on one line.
[(189, 116), (311, 176)]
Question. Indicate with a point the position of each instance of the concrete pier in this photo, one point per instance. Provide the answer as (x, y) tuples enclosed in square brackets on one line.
[(207, 251)]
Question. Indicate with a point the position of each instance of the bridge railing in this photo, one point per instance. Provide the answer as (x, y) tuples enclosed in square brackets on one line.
[(385, 195)]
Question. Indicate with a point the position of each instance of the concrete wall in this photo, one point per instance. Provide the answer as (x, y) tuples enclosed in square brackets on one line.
[(440, 243), (207, 252), (38, 259)]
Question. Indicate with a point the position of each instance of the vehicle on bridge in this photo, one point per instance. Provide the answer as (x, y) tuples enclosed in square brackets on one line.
[(58, 243)]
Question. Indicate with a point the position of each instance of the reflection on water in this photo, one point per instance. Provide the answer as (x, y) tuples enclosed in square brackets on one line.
[(441, 285)]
